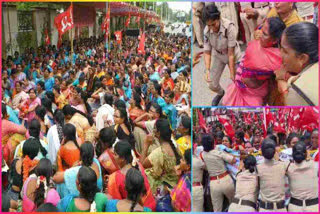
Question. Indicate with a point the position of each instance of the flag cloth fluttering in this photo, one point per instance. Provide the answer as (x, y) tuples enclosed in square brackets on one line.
[(106, 23), (47, 38), (141, 44), (118, 35), (64, 22), (128, 21)]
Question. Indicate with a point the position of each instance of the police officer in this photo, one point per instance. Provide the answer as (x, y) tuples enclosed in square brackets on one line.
[(303, 181), (197, 23), (219, 39), (247, 21), (246, 188), (197, 188), (221, 183), (271, 175)]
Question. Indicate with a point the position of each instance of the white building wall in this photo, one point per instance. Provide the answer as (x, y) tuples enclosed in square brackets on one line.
[(39, 20), (13, 17)]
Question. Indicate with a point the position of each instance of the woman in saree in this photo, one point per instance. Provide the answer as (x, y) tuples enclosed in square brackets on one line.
[(89, 199), (104, 150), (29, 106), (18, 96), (69, 151), (38, 188), (67, 180), (135, 107), (123, 128), (134, 185), (12, 134), (23, 166), (81, 121), (181, 194), (40, 113), (160, 164), (184, 142), (262, 58), (126, 160), (80, 99), (34, 131)]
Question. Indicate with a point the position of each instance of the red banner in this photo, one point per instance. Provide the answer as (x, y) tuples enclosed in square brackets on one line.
[(83, 15), (106, 22), (128, 21), (141, 44), (47, 38), (118, 35), (64, 21), (202, 122), (227, 126)]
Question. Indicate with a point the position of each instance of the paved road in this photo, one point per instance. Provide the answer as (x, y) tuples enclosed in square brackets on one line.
[(201, 94)]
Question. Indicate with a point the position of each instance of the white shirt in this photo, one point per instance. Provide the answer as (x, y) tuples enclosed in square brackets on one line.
[(104, 110), (53, 143)]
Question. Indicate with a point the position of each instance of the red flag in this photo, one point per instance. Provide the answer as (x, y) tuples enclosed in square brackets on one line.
[(141, 44), (118, 35), (64, 21), (227, 126), (128, 21), (47, 38), (310, 118), (269, 117), (294, 118), (202, 123), (247, 118), (106, 22), (138, 20)]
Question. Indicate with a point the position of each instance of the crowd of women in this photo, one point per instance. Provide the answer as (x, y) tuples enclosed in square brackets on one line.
[(98, 129), (250, 170), (280, 63)]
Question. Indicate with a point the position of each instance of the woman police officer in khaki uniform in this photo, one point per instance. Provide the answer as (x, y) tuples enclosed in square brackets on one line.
[(246, 195), (219, 39), (197, 188), (271, 179), (221, 183), (303, 181)]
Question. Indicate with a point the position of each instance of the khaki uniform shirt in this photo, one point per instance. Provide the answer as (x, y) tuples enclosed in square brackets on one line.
[(221, 41), (272, 180), (303, 180), (304, 90), (197, 169), (247, 186), (215, 161)]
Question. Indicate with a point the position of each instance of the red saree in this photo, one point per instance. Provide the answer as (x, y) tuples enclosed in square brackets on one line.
[(108, 162), (116, 188)]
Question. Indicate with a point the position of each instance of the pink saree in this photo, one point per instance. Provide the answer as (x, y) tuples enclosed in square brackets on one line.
[(259, 63)]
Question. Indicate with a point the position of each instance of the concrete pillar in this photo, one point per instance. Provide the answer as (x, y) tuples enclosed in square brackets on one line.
[(40, 23), (13, 22), (54, 31), (98, 28), (90, 30)]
